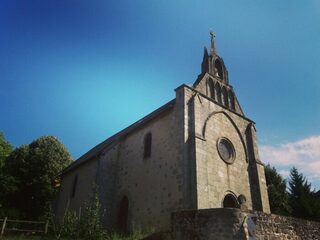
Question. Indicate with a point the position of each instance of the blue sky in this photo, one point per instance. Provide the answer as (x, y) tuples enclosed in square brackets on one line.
[(83, 70)]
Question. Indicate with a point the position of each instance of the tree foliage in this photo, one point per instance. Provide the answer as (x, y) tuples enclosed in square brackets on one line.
[(6, 182), (296, 198), (33, 169), (5, 149), (303, 200), (278, 196)]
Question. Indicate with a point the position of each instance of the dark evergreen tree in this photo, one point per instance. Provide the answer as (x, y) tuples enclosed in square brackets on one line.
[(278, 196), (316, 205), (302, 199)]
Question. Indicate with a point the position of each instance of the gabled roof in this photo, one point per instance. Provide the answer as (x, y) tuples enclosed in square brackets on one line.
[(91, 154)]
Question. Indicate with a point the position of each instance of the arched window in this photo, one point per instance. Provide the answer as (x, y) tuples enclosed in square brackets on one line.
[(230, 201), (225, 97), (74, 186), (211, 89), (218, 69), (147, 145), (231, 100), (218, 92), (123, 212)]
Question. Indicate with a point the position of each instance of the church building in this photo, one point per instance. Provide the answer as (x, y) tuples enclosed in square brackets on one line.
[(197, 151)]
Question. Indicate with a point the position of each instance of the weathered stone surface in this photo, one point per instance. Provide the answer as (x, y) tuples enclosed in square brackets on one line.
[(228, 223), (208, 224), (281, 227)]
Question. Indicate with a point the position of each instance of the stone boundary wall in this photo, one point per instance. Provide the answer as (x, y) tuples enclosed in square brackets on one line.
[(216, 223), (229, 223), (270, 226)]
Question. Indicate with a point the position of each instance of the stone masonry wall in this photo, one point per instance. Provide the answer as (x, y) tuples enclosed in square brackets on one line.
[(270, 226), (154, 186), (164, 182), (230, 223), (107, 173), (207, 224)]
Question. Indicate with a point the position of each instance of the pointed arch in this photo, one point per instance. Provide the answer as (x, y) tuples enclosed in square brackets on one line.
[(218, 92), (225, 100), (211, 91), (233, 124), (231, 100), (211, 64), (218, 69)]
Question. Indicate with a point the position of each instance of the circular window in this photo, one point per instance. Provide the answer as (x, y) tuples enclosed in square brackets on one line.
[(226, 150)]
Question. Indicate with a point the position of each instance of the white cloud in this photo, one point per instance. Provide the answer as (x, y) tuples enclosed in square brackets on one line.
[(284, 173), (304, 154)]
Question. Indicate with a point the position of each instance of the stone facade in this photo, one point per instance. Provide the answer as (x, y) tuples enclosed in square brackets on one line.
[(197, 151)]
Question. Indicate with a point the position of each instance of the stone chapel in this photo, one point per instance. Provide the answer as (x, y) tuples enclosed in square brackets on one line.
[(197, 151)]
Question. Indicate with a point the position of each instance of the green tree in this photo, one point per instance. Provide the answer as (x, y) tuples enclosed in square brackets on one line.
[(15, 171), (316, 205), (5, 181), (5, 149), (302, 199), (278, 196), (34, 168)]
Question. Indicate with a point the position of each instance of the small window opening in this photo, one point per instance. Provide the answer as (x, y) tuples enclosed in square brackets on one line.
[(147, 145), (74, 186)]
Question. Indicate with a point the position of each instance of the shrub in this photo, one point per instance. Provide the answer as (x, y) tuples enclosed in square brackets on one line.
[(84, 225)]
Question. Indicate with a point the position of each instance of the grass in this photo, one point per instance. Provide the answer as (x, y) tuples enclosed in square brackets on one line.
[(112, 236), (21, 237)]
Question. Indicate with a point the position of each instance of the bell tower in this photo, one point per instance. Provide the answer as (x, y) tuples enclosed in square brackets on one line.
[(213, 64), (214, 81)]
